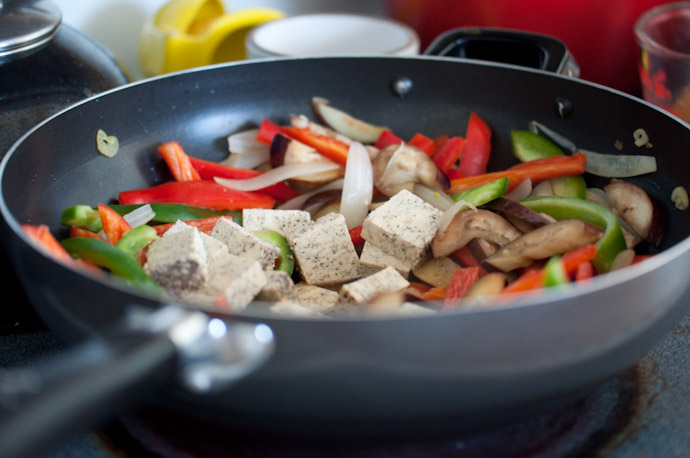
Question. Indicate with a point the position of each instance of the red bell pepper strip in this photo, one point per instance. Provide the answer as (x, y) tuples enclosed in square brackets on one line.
[(387, 138), (537, 170), (114, 224), (208, 170), (533, 278), (439, 141), (437, 293), (42, 237), (76, 231), (202, 193), (478, 148), (356, 237), (640, 257), (178, 162), (329, 147), (424, 143), (584, 271), (449, 153), (453, 173), (267, 130), (203, 224), (463, 278), (465, 257)]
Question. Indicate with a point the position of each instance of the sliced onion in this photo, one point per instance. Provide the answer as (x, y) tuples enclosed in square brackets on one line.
[(247, 161), (276, 175), (618, 165), (244, 142), (297, 202), (524, 189), (140, 216), (564, 143), (358, 186), (438, 199), (449, 214)]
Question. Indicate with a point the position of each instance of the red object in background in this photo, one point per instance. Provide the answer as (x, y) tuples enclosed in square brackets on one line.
[(599, 34)]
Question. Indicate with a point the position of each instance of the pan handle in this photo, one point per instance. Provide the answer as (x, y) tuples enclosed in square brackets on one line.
[(526, 49), (50, 401)]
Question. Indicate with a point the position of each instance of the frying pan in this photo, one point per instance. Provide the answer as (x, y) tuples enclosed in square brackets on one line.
[(357, 375)]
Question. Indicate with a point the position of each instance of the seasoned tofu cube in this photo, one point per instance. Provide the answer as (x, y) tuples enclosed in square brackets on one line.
[(403, 227), (294, 308), (384, 281), (315, 298), (243, 243), (213, 247), (374, 259), (179, 226), (325, 252), (290, 223), (233, 283), (279, 286), (178, 261)]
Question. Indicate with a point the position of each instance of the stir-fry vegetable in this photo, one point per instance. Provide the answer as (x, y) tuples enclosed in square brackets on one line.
[(344, 211)]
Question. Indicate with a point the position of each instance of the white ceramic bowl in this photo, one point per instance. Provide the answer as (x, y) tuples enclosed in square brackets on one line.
[(331, 34)]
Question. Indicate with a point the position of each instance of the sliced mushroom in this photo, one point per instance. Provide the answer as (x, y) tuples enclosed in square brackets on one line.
[(436, 272), (544, 242), (489, 285), (639, 210), (472, 224), (400, 166), (525, 219)]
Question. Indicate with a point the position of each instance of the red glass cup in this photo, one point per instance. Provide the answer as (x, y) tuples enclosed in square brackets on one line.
[(663, 36)]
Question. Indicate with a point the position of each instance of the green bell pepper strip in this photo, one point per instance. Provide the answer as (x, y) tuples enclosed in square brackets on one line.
[(82, 216), (483, 194), (554, 272), (528, 145), (286, 257), (612, 241), (87, 217), (133, 241), (171, 212), (118, 262)]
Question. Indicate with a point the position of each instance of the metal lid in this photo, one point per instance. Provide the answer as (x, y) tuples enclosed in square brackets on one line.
[(26, 24)]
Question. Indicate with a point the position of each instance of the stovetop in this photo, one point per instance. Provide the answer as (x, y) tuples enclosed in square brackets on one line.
[(642, 412)]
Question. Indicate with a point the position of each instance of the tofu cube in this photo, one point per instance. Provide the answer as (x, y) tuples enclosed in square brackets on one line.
[(279, 286), (241, 242), (363, 290), (374, 259), (178, 261), (290, 223), (325, 252), (315, 298), (234, 282), (403, 227)]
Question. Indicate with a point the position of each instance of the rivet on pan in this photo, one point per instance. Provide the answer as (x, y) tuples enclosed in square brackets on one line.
[(401, 86), (564, 107)]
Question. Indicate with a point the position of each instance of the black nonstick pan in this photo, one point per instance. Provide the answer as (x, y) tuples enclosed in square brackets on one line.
[(459, 369)]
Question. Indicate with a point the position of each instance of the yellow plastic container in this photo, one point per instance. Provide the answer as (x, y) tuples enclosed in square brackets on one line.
[(192, 33)]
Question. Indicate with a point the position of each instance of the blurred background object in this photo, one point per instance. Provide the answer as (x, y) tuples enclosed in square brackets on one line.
[(598, 33), (117, 24), (327, 34), (192, 33), (663, 34)]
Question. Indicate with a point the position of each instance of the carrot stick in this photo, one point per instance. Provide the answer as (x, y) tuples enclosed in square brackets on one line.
[(572, 259), (537, 170)]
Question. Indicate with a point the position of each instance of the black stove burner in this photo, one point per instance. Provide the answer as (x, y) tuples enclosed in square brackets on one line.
[(581, 429)]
